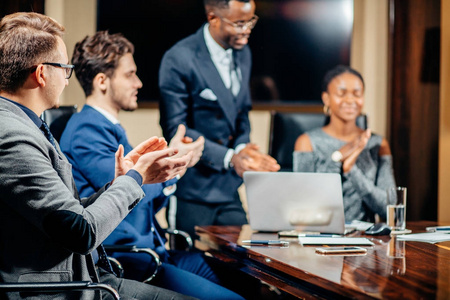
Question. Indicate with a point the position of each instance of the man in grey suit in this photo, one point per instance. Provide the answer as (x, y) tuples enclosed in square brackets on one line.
[(46, 233), (204, 84)]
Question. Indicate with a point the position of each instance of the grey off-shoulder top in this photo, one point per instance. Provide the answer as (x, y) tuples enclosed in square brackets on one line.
[(365, 186)]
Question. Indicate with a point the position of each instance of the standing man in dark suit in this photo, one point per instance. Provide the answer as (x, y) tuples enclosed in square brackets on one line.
[(204, 84), (47, 234)]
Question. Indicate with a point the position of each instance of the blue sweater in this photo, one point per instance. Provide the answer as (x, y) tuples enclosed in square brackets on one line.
[(90, 141)]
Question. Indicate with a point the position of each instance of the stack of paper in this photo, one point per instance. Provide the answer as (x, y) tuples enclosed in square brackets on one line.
[(429, 237)]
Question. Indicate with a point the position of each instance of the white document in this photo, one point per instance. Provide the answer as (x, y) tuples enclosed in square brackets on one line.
[(431, 237), (359, 225), (334, 241)]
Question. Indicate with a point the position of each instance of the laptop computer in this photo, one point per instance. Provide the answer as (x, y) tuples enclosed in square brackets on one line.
[(305, 202)]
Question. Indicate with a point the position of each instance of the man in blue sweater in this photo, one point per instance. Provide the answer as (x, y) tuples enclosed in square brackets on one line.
[(106, 70)]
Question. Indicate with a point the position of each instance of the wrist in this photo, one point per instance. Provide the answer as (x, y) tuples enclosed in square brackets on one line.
[(231, 162), (337, 156)]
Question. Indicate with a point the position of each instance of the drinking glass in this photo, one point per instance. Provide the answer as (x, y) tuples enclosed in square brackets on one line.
[(396, 254), (396, 209)]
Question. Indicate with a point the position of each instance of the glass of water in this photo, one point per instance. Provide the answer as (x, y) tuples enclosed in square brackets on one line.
[(396, 209)]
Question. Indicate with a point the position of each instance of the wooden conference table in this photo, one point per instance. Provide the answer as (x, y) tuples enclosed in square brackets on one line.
[(391, 269)]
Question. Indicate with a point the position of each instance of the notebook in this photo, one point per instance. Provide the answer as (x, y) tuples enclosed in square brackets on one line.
[(306, 202)]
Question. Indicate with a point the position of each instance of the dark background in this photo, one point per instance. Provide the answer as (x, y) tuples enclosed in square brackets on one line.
[(294, 43)]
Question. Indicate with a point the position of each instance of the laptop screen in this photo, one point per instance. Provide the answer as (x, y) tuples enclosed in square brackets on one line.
[(306, 202)]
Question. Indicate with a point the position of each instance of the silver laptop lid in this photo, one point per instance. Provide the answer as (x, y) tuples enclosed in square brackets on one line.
[(310, 202)]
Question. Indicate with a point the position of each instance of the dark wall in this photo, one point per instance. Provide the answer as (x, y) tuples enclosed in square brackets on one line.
[(415, 50), (11, 6), (294, 43)]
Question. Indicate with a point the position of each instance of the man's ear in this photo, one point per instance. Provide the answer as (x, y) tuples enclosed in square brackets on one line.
[(211, 17), (40, 76), (99, 82)]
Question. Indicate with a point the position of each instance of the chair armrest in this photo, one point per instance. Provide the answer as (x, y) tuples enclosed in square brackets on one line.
[(134, 249), (56, 287), (116, 266), (183, 235)]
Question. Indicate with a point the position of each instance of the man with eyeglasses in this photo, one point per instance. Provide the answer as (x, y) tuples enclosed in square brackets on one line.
[(47, 233), (67, 68), (204, 84)]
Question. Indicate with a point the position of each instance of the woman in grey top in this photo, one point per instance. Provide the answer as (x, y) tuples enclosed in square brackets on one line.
[(363, 159)]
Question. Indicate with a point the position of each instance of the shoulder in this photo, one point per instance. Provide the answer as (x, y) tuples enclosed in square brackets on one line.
[(20, 135), (385, 149), (185, 46), (85, 125), (303, 143), (180, 57), (86, 119), (88, 115), (377, 141)]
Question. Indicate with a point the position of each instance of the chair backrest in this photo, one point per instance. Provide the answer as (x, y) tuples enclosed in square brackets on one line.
[(57, 119), (286, 127)]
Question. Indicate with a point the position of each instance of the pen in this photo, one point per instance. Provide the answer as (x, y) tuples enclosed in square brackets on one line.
[(438, 228), (443, 229), (265, 243), (319, 235)]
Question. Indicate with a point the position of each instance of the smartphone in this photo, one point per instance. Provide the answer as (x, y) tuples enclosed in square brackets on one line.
[(341, 250)]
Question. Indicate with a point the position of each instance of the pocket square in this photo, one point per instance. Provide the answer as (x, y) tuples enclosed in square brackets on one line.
[(207, 94)]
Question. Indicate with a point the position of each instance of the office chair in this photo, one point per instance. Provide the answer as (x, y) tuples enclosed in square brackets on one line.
[(178, 240), (53, 287), (285, 128), (57, 118)]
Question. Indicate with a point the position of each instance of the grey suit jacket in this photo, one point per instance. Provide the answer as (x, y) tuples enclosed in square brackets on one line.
[(46, 232)]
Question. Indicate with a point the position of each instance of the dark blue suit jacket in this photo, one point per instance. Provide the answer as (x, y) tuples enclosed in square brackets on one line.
[(186, 71), (90, 142)]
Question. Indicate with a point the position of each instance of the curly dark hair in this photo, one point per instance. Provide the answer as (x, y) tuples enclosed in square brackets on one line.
[(99, 53)]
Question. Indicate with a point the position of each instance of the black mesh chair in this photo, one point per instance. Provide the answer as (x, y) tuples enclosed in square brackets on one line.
[(54, 287), (57, 119), (286, 127)]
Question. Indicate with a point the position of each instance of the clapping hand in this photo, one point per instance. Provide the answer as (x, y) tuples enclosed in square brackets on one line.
[(150, 160), (250, 159), (186, 144), (353, 149)]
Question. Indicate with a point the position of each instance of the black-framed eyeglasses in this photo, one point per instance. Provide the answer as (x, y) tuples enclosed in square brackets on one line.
[(67, 68), (242, 26)]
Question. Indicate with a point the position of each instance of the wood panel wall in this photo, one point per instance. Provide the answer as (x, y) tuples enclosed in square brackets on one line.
[(414, 65)]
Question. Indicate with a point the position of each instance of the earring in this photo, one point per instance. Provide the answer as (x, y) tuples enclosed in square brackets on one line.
[(326, 110)]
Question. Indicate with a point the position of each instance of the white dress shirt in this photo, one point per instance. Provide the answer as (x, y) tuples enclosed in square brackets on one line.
[(222, 60)]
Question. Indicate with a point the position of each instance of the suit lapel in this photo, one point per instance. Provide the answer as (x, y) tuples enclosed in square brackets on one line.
[(213, 80)]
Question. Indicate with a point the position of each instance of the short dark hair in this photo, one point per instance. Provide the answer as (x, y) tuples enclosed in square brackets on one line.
[(335, 72), (99, 53), (26, 39), (219, 3)]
